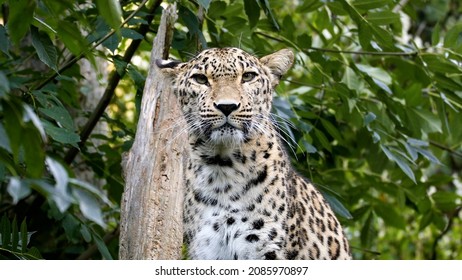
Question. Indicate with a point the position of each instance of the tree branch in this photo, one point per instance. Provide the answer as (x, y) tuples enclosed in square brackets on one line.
[(445, 231), (445, 148)]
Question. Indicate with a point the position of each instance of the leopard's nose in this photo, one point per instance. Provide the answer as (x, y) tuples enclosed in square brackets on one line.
[(226, 107)]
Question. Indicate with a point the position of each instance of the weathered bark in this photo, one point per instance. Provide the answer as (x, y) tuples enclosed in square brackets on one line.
[(151, 210)]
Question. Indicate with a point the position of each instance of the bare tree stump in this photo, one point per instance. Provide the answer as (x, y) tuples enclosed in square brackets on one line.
[(151, 210)]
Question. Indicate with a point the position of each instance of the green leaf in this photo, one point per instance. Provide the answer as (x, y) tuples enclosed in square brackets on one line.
[(6, 232), (102, 248), (111, 12), (14, 234), (85, 233), (45, 49), (4, 85), (332, 130), (323, 140), (21, 14), (60, 115), (383, 18), (337, 206), (265, 5), (34, 154), (136, 76), (351, 79), (428, 155), (112, 42), (427, 122), (438, 63), (71, 37), (131, 34), (368, 231), (453, 38), (446, 201), (12, 114), (34, 254), (369, 4), (436, 34), (426, 220), (308, 147), (309, 6), (24, 236), (62, 135), (252, 10), (4, 42), (400, 161), (384, 37), (390, 215), (4, 141), (365, 35), (18, 189)]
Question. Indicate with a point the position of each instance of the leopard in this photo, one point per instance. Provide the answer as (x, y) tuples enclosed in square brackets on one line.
[(243, 199)]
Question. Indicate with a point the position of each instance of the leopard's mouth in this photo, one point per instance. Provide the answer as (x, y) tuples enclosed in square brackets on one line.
[(227, 133)]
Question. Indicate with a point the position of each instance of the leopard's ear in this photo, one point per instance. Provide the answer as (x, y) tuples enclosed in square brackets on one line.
[(278, 63), (170, 68)]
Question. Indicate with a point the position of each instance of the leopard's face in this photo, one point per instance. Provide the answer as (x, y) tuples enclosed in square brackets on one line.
[(225, 94)]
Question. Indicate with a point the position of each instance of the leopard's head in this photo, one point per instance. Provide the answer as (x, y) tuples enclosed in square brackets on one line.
[(226, 94)]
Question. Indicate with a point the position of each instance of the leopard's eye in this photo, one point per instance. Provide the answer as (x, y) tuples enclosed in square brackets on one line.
[(248, 76), (200, 79)]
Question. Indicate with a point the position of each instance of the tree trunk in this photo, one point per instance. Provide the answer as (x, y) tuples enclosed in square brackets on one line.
[(152, 204)]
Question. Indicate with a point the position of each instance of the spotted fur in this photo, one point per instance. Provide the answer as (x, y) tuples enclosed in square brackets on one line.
[(243, 200)]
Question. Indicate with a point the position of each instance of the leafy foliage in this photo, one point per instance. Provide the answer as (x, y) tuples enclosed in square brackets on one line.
[(13, 242), (369, 112)]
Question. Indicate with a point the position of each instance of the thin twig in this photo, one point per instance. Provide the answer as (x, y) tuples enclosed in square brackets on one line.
[(445, 148)]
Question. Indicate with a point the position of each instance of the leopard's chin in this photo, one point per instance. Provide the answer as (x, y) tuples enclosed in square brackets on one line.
[(227, 134)]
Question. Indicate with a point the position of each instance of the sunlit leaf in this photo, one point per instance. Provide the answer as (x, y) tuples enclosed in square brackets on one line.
[(427, 121), (400, 161), (111, 11), (62, 198), (18, 189), (89, 206)]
